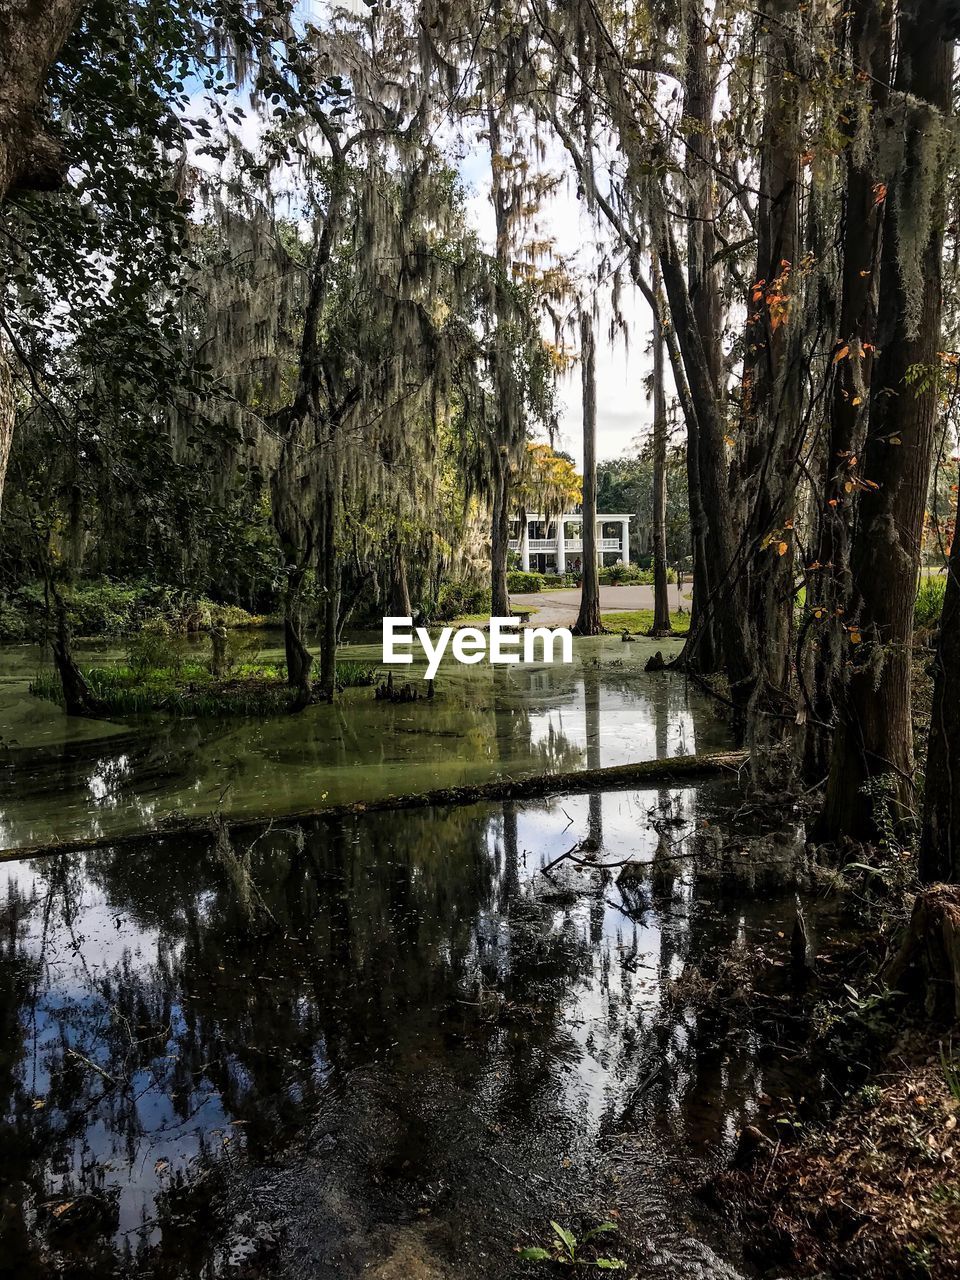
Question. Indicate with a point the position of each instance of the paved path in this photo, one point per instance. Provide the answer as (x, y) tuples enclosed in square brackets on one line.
[(559, 608)]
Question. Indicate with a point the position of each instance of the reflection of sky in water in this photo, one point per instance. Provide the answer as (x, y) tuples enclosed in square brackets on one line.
[(389, 923), (83, 949)]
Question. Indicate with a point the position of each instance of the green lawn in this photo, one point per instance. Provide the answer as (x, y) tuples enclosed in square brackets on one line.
[(641, 620)]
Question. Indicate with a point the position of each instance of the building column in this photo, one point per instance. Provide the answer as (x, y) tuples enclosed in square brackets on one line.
[(525, 546), (561, 545), (599, 528), (625, 541)]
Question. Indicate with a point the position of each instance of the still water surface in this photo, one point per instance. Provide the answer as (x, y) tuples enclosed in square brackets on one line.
[(387, 1045)]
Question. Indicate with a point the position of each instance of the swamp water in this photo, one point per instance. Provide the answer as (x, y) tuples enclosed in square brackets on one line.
[(387, 1045)]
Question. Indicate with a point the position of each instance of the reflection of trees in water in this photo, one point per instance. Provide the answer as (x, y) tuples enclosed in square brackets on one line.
[(267, 975)]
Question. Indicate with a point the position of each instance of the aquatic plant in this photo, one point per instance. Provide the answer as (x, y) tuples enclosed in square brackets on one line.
[(567, 1249), (189, 689)]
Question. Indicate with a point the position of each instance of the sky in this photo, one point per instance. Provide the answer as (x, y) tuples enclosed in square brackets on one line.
[(624, 411)]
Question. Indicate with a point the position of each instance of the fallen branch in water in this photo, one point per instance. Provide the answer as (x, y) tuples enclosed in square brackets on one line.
[(616, 777)]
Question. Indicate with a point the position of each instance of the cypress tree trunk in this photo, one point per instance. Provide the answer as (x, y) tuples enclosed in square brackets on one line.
[(661, 599), (720, 544), (829, 587), (701, 652), (772, 424), (500, 541), (299, 660), (331, 597), (875, 737), (588, 619), (78, 698), (940, 847), (400, 587)]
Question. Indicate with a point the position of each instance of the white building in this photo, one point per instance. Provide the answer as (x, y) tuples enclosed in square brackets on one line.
[(556, 545)]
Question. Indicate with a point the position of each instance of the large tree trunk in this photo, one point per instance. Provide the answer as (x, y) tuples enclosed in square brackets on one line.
[(721, 546), (772, 422), (661, 598), (32, 33), (588, 619), (875, 737), (940, 848), (701, 652), (829, 586)]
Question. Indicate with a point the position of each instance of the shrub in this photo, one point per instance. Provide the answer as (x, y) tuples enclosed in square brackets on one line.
[(929, 603), (518, 580), (156, 647), (458, 598), (108, 608)]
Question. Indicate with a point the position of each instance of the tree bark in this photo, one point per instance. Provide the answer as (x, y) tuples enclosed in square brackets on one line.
[(331, 598), (829, 586), (875, 737), (940, 847), (299, 660), (702, 650), (588, 618), (500, 539), (78, 698), (721, 546), (32, 33), (661, 599), (772, 428)]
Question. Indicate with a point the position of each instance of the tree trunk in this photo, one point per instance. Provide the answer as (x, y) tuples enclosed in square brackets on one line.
[(298, 657), (400, 588), (701, 652), (588, 619), (32, 34), (829, 586), (500, 540), (927, 965), (331, 596), (875, 737), (721, 546), (772, 425), (661, 599), (940, 847), (78, 699)]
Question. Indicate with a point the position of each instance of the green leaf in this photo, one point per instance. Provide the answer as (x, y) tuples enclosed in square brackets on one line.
[(610, 1264), (596, 1231), (534, 1254), (567, 1238)]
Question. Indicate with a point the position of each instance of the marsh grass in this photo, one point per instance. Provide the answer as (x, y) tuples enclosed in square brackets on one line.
[(252, 688)]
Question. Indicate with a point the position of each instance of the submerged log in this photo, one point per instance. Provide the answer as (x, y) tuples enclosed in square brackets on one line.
[(616, 777)]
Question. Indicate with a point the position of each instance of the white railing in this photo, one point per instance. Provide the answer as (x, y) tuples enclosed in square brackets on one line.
[(570, 545)]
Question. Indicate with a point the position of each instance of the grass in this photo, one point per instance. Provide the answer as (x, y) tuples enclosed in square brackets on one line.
[(641, 620), (253, 689), (929, 604)]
